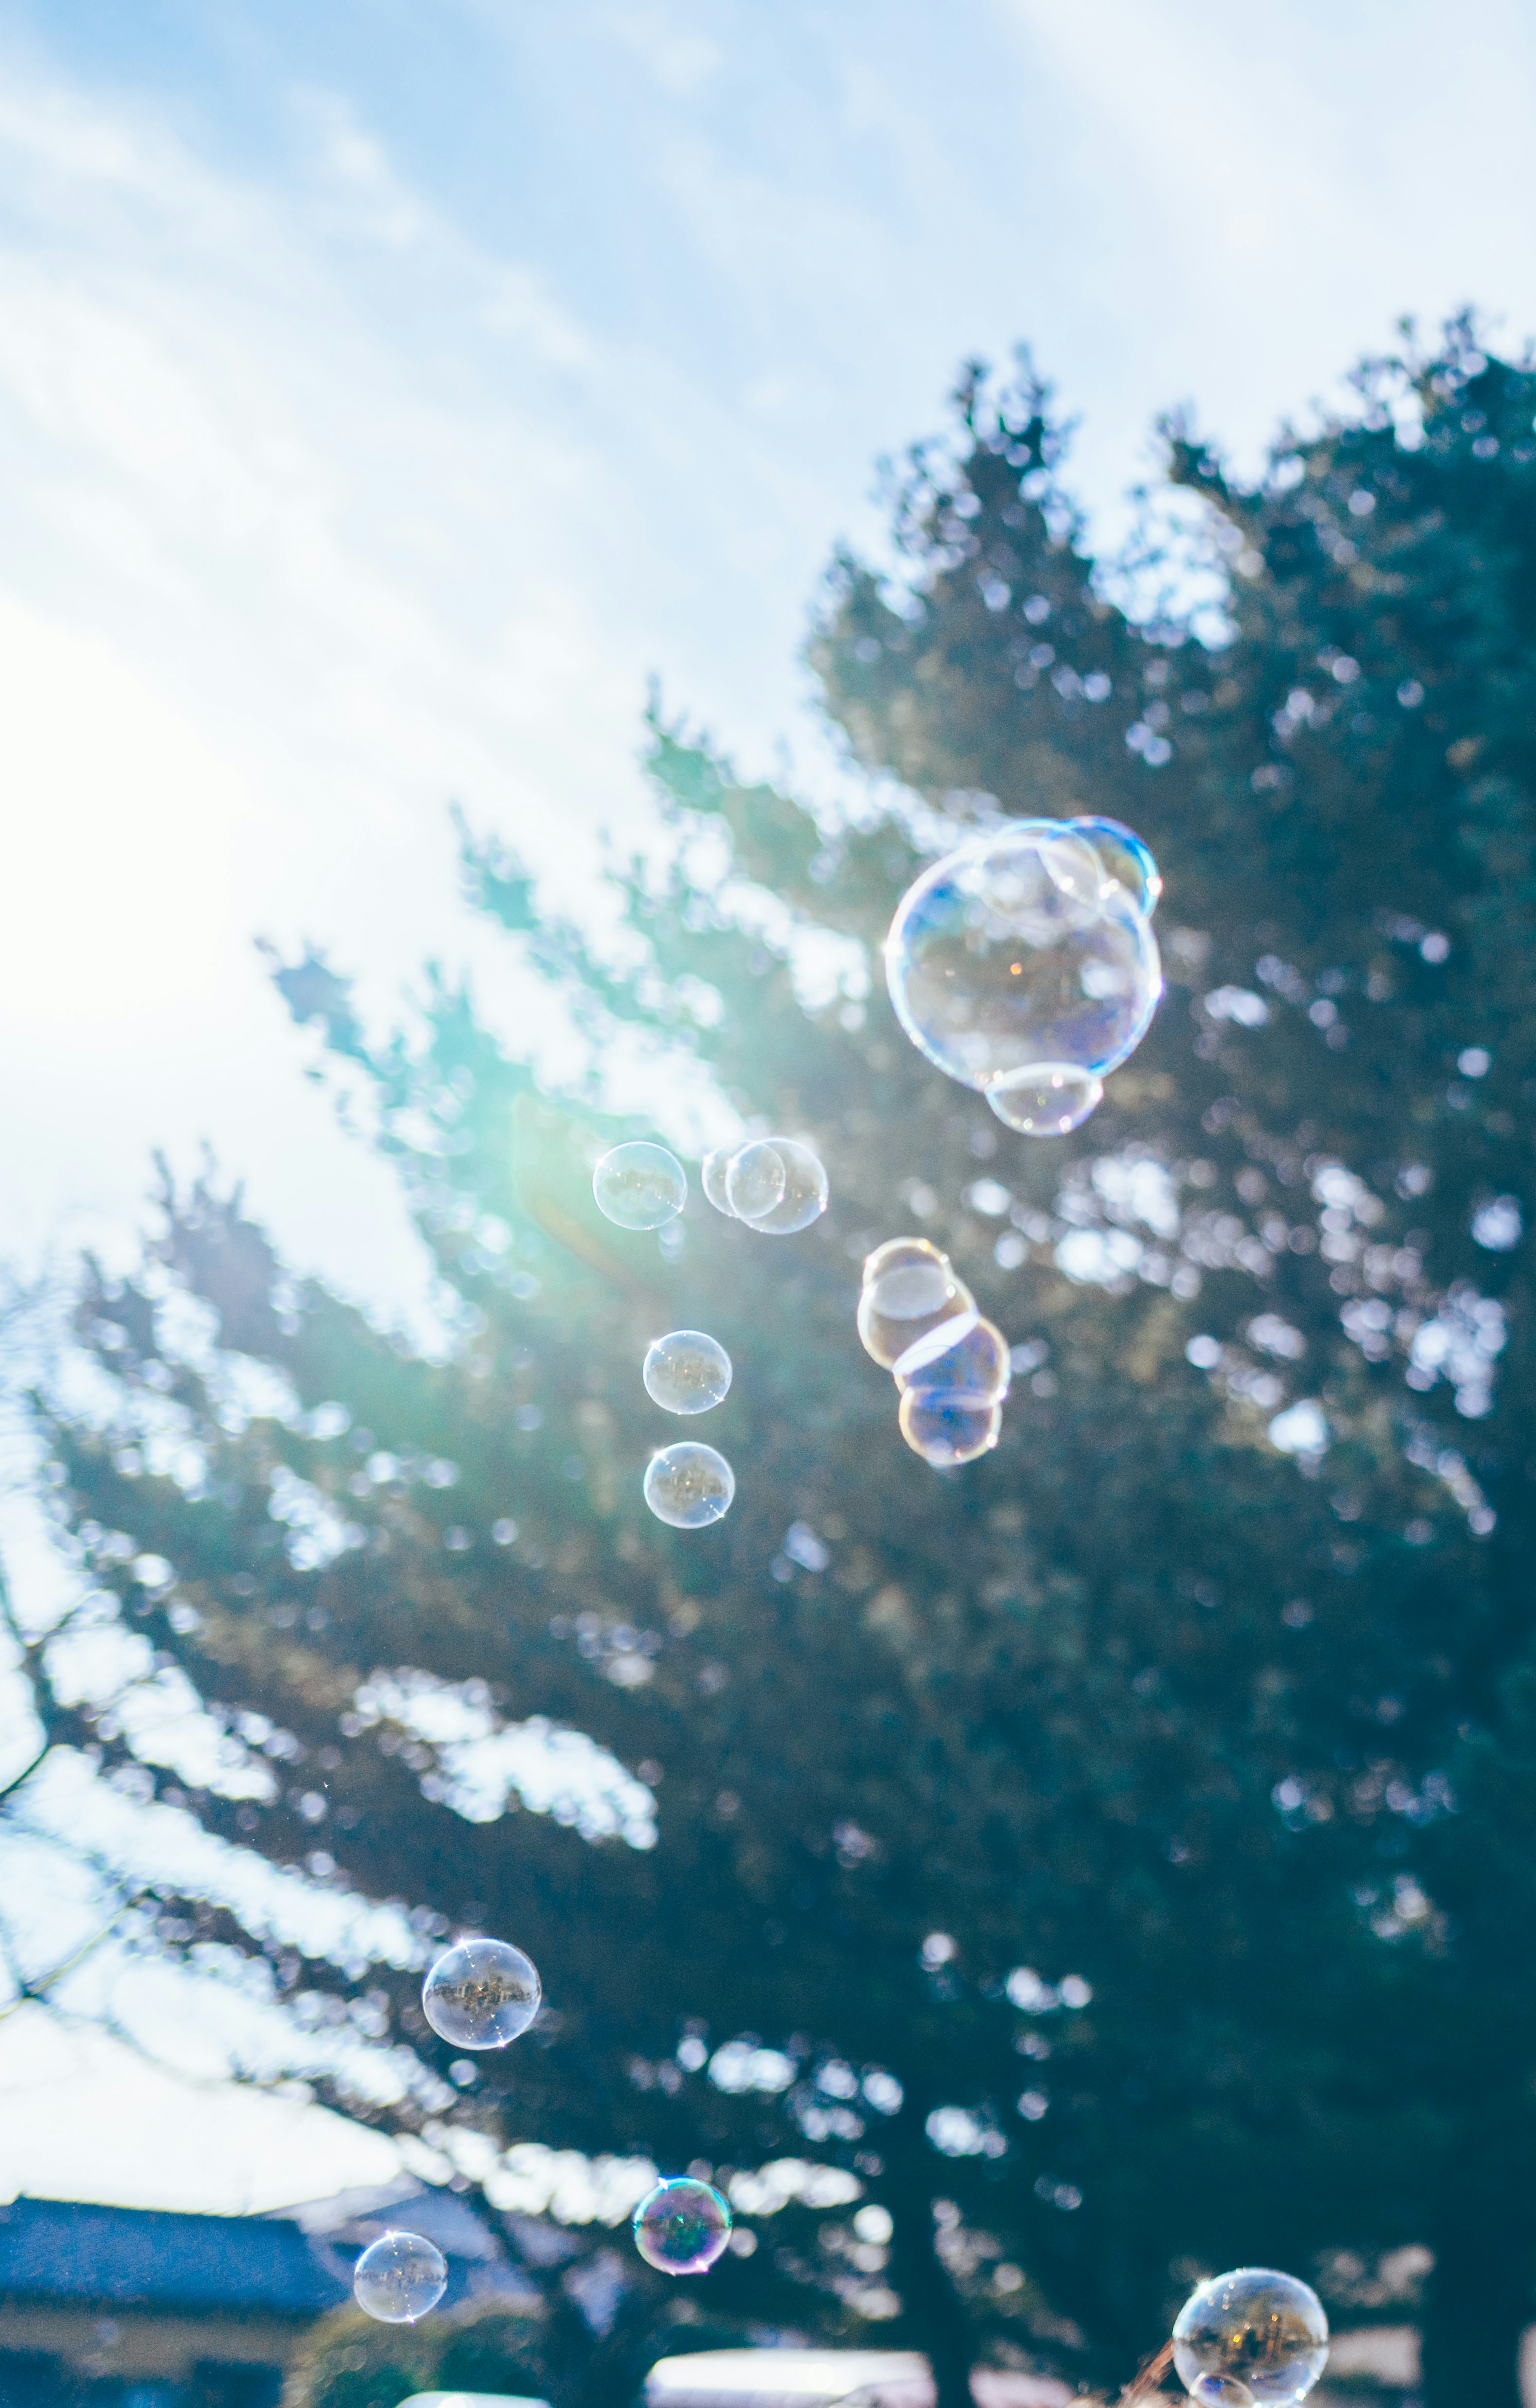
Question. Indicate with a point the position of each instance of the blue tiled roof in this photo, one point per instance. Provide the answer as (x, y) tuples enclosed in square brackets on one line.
[(62, 2249)]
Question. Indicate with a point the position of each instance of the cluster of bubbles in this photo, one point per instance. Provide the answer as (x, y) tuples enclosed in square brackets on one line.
[(484, 1994), (1023, 964), (1251, 2339), (774, 1184), (920, 1322)]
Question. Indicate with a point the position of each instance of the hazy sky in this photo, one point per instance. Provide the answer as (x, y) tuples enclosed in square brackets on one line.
[(389, 387)]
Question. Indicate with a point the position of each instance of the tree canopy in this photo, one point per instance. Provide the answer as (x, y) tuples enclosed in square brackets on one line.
[(1111, 1860)]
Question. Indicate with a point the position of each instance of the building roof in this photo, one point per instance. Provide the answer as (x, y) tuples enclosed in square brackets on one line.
[(57, 2250)]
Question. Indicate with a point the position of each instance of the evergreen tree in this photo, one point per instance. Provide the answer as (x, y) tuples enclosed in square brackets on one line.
[(1112, 1858)]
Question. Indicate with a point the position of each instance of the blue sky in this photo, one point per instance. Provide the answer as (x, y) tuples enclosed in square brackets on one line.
[(389, 387)]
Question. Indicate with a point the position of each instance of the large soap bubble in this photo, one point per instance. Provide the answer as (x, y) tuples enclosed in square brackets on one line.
[(1021, 950), (1126, 858), (1265, 2334), (910, 1292), (398, 2278), (481, 1994), (682, 2226), (686, 1371), (689, 1484), (776, 1185), (639, 1185)]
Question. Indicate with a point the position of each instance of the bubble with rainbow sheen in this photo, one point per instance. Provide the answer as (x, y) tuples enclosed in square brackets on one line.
[(776, 1185), (975, 1368), (481, 1994), (1018, 948), (682, 2226), (639, 1185), (947, 1427), (398, 2278), (1049, 1099), (1263, 2333), (909, 1292), (687, 1371), (689, 1485)]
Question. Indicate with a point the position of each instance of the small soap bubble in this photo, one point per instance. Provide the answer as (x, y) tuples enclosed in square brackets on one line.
[(909, 1290), (1125, 859), (1019, 949), (398, 2278), (1264, 2332), (682, 2226), (688, 1485), (976, 1369), (776, 1185), (686, 1372), (639, 1185), (481, 1994), (711, 1177), (948, 1427), (1221, 2391), (1046, 1100)]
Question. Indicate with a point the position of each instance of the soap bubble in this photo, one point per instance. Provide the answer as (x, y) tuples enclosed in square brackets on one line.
[(640, 1186), (689, 1484), (398, 2278), (481, 1994), (909, 1290), (1265, 2332), (711, 1177), (973, 1369), (776, 1185), (1221, 2391), (686, 1372), (1125, 859), (947, 1427), (682, 2226), (1019, 949), (1047, 1099)]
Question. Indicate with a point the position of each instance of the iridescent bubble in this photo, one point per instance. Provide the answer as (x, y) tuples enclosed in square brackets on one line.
[(1125, 859), (398, 2278), (481, 1994), (947, 1427), (910, 1291), (689, 1484), (1046, 1100), (682, 2226), (1018, 948), (776, 1185), (686, 1372), (711, 1177), (974, 1370), (1221, 2391), (639, 1185), (1266, 2332)]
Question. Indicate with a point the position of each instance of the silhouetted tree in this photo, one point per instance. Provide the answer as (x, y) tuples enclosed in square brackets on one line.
[(1113, 1859)]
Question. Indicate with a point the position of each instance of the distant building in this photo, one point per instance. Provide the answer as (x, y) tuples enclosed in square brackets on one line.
[(831, 2378), (122, 2307)]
